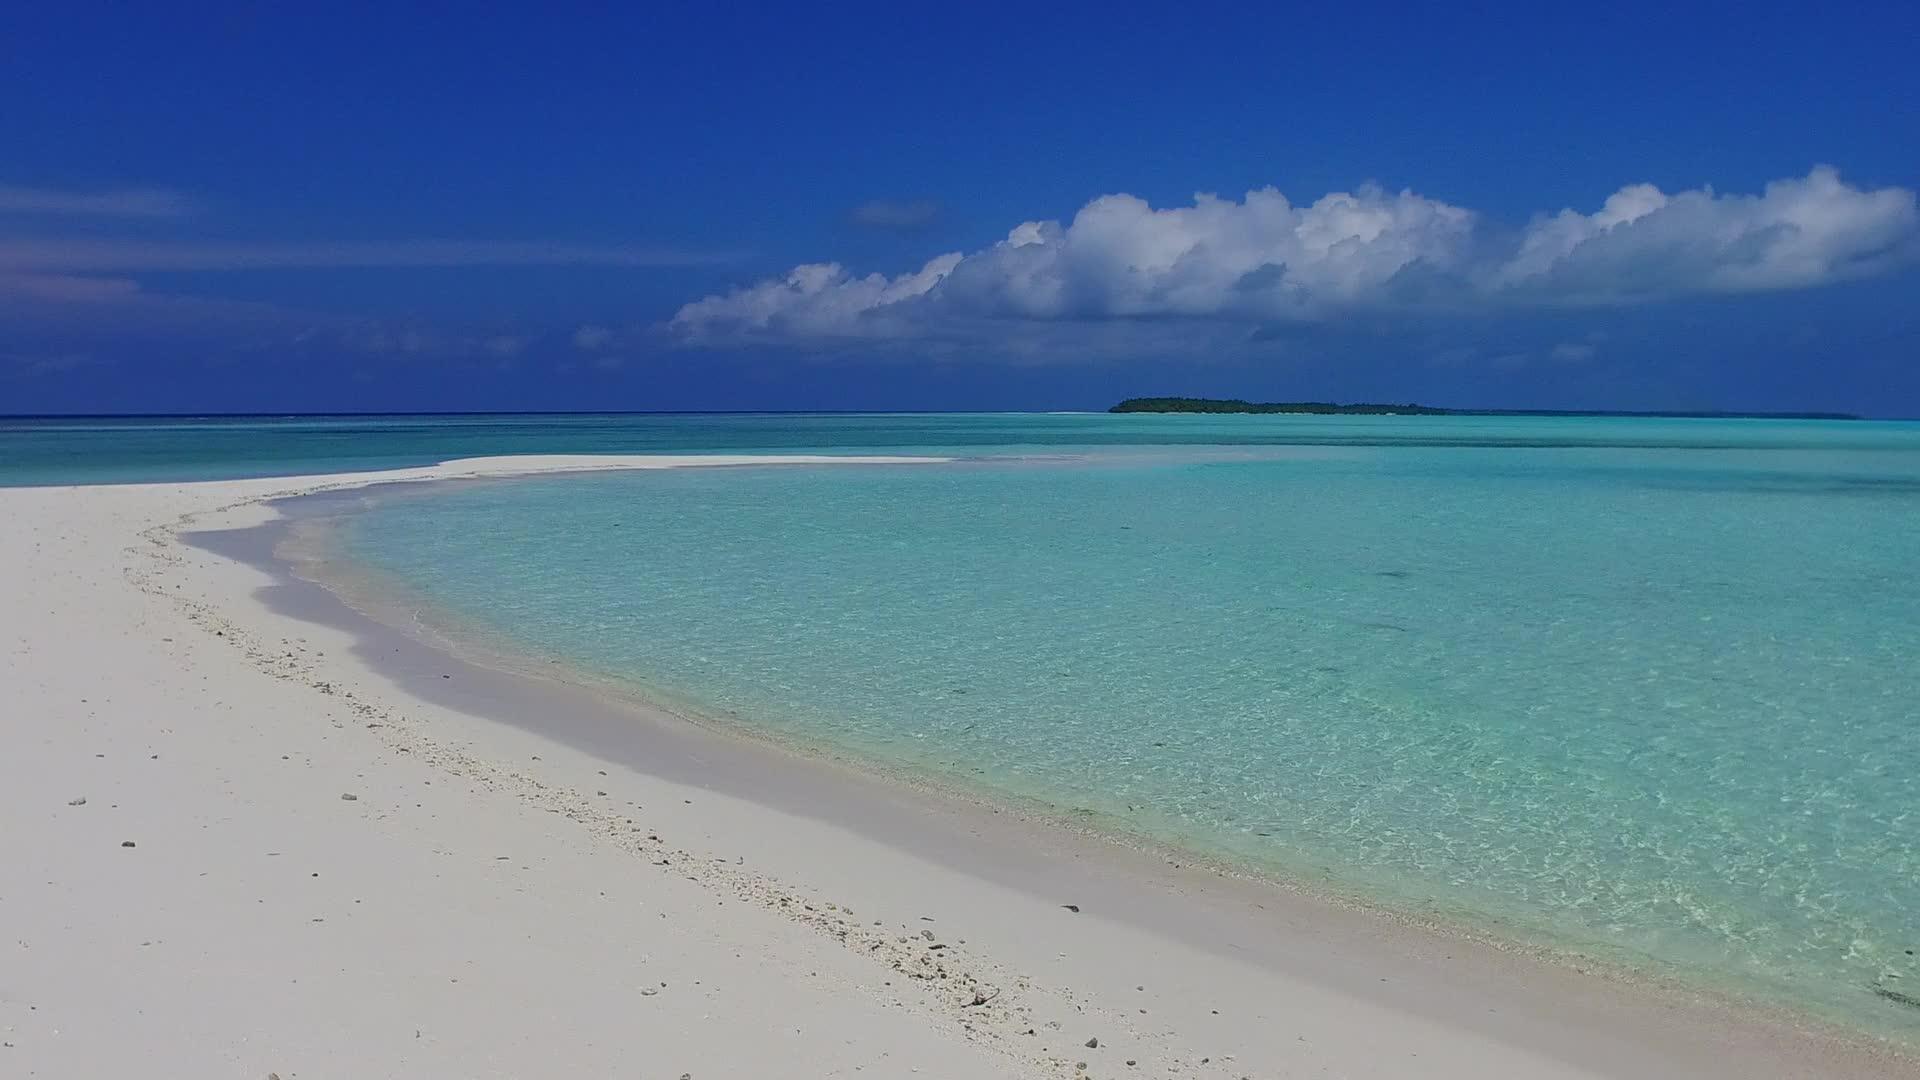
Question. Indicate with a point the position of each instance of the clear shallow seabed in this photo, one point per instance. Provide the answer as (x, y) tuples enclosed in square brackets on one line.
[(1646, 689)]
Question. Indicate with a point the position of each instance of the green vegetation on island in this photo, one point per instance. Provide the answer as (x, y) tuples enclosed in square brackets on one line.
[(1327, 408), (1235, 405)]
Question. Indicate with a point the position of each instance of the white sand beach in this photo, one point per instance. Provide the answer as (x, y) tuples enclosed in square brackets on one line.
[(235, 842)]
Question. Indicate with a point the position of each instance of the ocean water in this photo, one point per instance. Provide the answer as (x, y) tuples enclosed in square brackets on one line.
[(93, 450), (1645, 689), (1586, 683)]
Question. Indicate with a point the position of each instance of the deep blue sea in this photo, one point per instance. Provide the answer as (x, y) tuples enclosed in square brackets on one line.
[(139, 449), (1645, 689)]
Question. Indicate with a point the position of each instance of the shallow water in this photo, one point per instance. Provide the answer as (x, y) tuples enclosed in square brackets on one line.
[(92, 450), (1590, 683), (1636, 687)]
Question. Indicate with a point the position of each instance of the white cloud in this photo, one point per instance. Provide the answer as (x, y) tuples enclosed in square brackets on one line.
[(82, 256), (504, 345), (89, 281), (67, 288), (902, 216), (817, 300), (1265, 259), (118, 202), (98, 307), (416, 341), (1645, 244), (591, 338)]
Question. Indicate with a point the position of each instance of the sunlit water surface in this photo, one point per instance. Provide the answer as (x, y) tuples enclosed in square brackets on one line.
[(1638, 695), (1640, 688)]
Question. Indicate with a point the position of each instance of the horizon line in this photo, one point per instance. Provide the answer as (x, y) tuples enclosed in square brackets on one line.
[(1450, 412)]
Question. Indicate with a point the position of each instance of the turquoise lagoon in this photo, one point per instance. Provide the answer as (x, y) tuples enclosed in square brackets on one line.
[(1583, 683), (1644, 689)]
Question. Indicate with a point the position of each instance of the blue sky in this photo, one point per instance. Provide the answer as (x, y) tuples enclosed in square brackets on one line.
[(976, 207)]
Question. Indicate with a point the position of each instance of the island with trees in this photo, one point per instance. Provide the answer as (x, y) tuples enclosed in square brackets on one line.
[(1326, 408), (1235, 405)]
